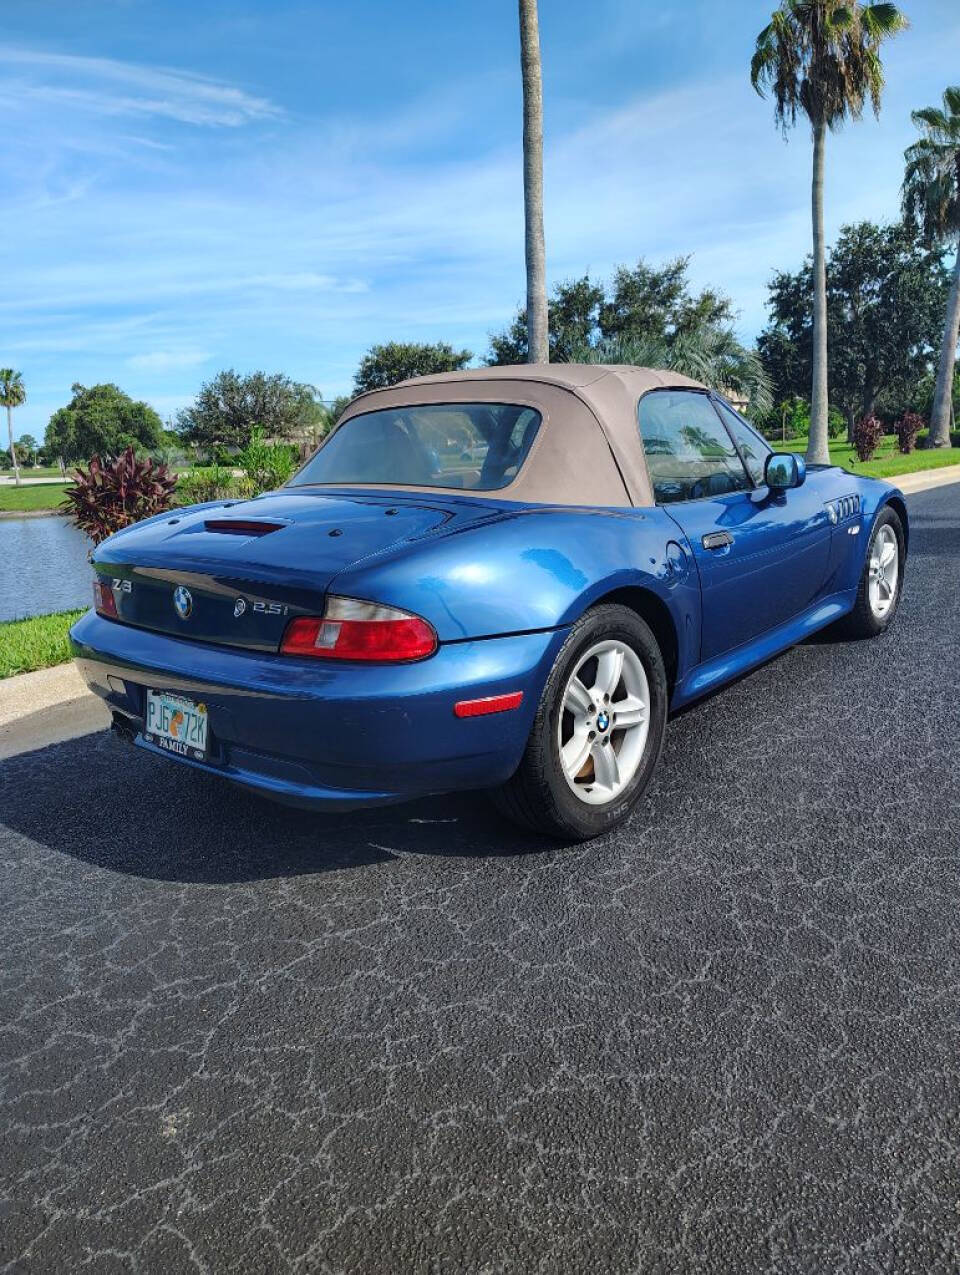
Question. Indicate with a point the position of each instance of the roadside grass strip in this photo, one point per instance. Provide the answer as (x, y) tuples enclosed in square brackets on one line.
[(27, 499), (39, 642)]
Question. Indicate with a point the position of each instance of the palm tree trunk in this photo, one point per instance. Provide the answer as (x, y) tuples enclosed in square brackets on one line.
[(818, 451), (538, 348), (943, 393), (13, 450)]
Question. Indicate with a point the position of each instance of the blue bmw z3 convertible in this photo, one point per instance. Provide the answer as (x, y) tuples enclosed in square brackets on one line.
[(503, 579)]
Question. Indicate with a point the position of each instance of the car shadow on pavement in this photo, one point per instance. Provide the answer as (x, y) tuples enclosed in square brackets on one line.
[(111, 805)]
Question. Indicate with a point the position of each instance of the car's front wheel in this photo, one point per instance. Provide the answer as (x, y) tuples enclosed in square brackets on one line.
[(881, 581), (598, 731)]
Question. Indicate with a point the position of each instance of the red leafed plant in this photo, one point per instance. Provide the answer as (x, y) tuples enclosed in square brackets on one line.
[(866, 436), (908, 427), (115, 493)]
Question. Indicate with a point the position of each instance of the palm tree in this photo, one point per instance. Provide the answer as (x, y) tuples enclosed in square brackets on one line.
[(931, 202), (706, 352), (538, 346), (12, 394), (821, 58)]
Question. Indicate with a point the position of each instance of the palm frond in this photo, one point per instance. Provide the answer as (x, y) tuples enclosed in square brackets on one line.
[(13, 392), (932, 119), (707, 353), (931, 181), (822, 57), (882, 20)]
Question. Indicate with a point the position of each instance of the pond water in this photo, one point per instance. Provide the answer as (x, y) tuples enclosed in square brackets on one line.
[(43, 567)]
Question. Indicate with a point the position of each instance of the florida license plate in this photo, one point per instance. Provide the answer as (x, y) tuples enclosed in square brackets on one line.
[(176, 724)]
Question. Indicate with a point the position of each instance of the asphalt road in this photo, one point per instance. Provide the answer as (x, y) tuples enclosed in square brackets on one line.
[(727, 1038)]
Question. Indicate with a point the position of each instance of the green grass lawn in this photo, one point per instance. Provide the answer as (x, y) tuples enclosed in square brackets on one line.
[(41, 471), (887, 463), (18, 499), (39, 642)]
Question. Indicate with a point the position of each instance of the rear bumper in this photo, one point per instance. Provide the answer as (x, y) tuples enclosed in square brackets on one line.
[(327, 735)]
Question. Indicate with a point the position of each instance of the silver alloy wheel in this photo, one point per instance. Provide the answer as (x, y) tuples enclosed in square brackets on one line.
[(884, 571), (604, 722)]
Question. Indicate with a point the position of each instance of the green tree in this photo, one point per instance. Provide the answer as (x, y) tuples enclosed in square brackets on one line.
[(641, 302), (337, 408), (228, 408), (27, 447), (709, 353), (931, 201), (652, 301), (821, 59), (534, 250), (574, 321), (385, 365), (101, 421), (885, 297), (13, 394)]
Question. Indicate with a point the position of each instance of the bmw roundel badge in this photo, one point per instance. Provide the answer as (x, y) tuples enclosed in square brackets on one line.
[(182, 602)]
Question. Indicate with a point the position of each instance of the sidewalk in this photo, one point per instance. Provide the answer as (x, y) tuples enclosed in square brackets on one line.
[(47, 707)]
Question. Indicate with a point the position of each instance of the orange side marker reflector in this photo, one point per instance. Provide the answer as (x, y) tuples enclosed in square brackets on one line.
[(492, 704)]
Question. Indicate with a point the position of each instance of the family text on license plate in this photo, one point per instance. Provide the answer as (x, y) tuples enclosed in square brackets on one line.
[(177, 724)]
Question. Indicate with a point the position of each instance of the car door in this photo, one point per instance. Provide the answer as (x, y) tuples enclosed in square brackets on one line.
[(762, 556)]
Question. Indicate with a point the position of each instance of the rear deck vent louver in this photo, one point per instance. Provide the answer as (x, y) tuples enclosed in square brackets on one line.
[(241, 527)]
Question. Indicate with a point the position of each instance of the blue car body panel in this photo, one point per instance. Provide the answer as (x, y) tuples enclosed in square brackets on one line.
[(501, 582), (317, 732)]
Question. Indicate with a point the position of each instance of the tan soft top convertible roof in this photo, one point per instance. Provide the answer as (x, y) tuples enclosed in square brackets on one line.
[(587, 450)]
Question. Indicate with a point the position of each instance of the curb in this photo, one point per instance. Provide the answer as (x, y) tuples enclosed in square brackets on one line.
[(47, 707), (31, 513), (924, 479)]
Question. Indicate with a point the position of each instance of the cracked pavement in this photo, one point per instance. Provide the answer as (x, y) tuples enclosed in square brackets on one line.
[(723, 1039)]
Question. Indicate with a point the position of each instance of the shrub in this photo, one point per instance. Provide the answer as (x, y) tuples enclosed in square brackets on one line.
[(908, 427), (836, 423), (267, 465), (866, 436), (113, 494), (209, 483)]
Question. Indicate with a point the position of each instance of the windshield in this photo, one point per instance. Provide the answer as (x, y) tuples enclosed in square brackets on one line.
[(476, 446)]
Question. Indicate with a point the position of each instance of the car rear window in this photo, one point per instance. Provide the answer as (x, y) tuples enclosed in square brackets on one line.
[(476, 446)]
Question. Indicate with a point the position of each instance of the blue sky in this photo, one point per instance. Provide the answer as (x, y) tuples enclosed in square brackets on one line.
[(268, 184)]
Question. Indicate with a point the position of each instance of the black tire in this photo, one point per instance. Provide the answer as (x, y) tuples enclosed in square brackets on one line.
[(537, 796), (862, 622)]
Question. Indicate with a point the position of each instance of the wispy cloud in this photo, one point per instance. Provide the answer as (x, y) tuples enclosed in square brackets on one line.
[(110, 87), (164, 224), (167, 360)]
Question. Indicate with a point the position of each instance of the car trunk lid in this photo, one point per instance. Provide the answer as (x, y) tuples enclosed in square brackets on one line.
[(234, 573)]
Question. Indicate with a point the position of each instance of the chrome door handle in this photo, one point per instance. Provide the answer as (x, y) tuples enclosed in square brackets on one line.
[(717, 540)]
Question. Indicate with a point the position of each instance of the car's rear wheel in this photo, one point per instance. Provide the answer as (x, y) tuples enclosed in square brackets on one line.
[(881, 581), (598, 731)]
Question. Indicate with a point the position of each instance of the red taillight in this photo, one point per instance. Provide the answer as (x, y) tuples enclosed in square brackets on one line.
[(353, 630), (489, 704), (103, 599)]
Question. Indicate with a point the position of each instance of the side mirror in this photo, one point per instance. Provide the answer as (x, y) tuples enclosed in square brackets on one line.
[(784, 470)]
